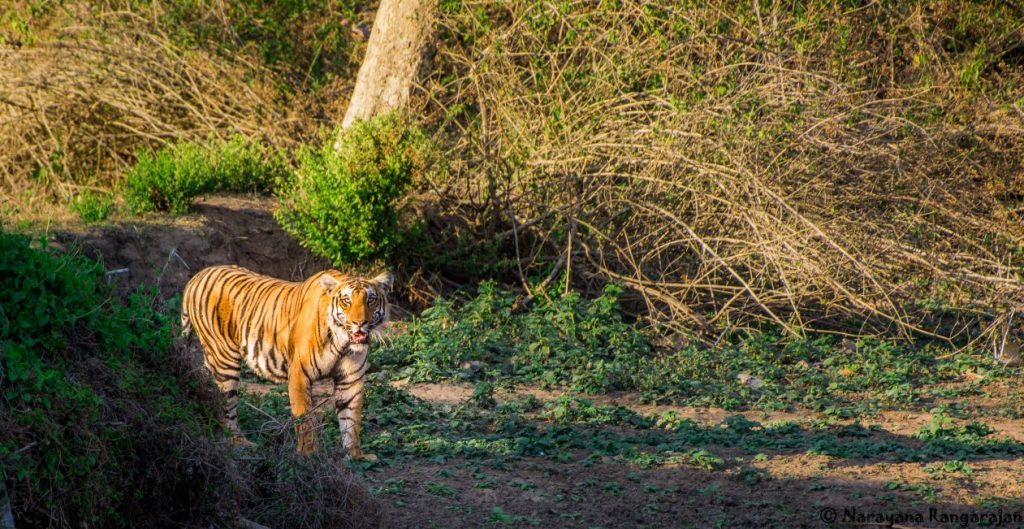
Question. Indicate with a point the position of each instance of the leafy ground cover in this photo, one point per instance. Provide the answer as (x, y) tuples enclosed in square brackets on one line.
[(586, 346), (496, 415)]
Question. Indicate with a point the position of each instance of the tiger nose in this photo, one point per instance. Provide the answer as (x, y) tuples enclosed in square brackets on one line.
[(360, 324)]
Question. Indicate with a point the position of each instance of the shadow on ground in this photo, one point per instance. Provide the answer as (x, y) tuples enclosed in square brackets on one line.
[(531, 492), (462, 466)]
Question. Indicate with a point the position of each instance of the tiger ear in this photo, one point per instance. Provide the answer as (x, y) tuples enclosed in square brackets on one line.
[(384, 280), (328, 282)]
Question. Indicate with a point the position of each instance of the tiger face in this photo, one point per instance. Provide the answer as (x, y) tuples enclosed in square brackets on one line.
[(357, 307)]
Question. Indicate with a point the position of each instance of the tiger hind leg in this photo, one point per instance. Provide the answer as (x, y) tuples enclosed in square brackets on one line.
[(226, 370), (186, 324)]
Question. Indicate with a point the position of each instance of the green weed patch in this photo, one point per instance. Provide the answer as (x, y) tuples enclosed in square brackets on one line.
[(586, 346), (170, 178)]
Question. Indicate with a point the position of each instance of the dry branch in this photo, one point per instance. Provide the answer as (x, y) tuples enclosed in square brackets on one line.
[(75, 107), (728, 179)]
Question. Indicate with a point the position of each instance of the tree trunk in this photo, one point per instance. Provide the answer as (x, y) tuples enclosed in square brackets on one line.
[(395, 55)]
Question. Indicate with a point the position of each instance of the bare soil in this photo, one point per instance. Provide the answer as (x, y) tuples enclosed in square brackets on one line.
[(797, 489), (799, 492), (165, 250)]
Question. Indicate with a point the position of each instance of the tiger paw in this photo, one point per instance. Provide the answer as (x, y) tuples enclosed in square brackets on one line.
[(240, 440), (305, 443), (358, 455)]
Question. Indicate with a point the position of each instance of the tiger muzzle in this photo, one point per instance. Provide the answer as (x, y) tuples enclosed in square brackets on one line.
[(359, 335)]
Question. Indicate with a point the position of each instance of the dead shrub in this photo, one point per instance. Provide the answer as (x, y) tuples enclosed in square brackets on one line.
[(816, 167), (289, 490), (96, 86)]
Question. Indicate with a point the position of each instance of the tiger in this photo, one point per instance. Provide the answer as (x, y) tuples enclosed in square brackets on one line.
[(297, 333)]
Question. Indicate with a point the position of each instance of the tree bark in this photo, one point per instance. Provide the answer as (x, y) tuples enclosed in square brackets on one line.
[(395, 55)]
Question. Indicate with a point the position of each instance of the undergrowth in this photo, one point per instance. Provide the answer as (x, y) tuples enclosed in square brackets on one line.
[(93, 206), (90, 391), (585, 345), (104, 423), (746, 162), (308, 41), (170, 178)]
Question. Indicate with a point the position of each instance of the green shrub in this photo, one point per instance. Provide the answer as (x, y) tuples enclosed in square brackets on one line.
[(342, 202), (98, 424), (93, 206), (168, 179)]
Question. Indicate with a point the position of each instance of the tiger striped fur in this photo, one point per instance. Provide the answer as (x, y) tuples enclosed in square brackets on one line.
[(297, 333)]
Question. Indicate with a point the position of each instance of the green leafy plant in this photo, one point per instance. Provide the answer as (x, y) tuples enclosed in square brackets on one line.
[(342, 203), (440, 489), (93, 206), (565, 340), (953, 466), (86, 388), (483, 395), (585, 345), (170, 178)]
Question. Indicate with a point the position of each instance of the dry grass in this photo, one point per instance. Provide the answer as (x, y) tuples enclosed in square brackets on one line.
[(291, 490), (829, 168), (90, 83), (76, 106)]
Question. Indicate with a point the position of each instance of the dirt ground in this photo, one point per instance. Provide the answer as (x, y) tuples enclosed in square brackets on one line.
[(777, 488), (804, 490), (166, 250)]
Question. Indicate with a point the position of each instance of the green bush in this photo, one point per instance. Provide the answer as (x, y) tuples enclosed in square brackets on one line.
[(342, 202), (98, 424), (93, 206), (168, 179)]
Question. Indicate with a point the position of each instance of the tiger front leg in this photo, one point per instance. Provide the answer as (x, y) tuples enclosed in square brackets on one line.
[(300, 397), (348, 402)]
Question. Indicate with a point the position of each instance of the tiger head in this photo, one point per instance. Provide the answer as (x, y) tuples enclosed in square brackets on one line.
[(357, 306)]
